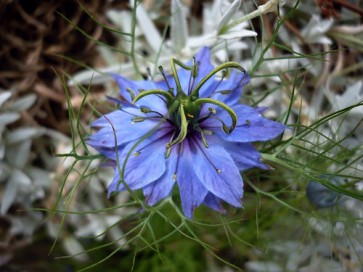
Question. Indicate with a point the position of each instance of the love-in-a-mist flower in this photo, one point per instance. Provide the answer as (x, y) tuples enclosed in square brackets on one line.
[(187, 129)]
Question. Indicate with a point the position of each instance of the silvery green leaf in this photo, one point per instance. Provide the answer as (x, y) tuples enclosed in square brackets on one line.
[(124, 20), (116, 234), (314, 31), (258, 266), (238, 33), (152, 35), (179, 31), (23, 103), (57, 136), (20, 178), (5, 171), (4, 96), (26, 224), (352, 95), (39, 176), (73, 247), (23, 133), (121, 19), (91, 228), (52, 229), (8, 118), (107, 55), (18, 155), (203, 40), (101, 76), (323, 265), (36, 194), (9, 193), (233, 8), (2, 149), (210, 13)]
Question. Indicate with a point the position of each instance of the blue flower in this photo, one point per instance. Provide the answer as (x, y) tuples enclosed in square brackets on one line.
[(321, 196), (187, 129)]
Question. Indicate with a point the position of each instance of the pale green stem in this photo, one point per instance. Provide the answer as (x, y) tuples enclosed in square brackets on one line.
[(270, 6), (176, 78)]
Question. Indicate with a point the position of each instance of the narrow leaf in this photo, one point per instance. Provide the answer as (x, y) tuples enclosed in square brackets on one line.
[(234, 7), (179, 31)]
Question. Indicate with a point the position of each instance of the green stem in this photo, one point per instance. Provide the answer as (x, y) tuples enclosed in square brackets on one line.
[(176, 78), (213, 72), (167, 95)]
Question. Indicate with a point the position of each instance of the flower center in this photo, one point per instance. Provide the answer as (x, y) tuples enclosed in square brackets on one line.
[(184, 106), (191, 111)]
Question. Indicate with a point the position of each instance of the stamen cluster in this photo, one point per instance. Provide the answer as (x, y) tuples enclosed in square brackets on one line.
[(184, 107)]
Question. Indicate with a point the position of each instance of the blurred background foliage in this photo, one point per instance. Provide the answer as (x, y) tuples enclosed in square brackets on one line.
[(305, 61)]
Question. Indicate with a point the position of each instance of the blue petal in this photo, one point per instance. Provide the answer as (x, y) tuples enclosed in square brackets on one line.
[(162, 187), (244, 155), (154, 102), (110, 153), (205, 66), (141, 169), (116, 117), (115, 185), (251, 126), (218, 173), (151, 101), (121, 124), (134, 85), (192, 192), (214, 203), (234, 84)]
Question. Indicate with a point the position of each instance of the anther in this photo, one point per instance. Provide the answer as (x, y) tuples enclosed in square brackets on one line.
[(167, 153), (224, 92), (218, 170), (174, 176), (225, 128), (204, 140), (161, 69), (148, 70), (144, 109), (131, 92), (207, 132), (137, 153), (194, 69), (138, 119), (212, 110)]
